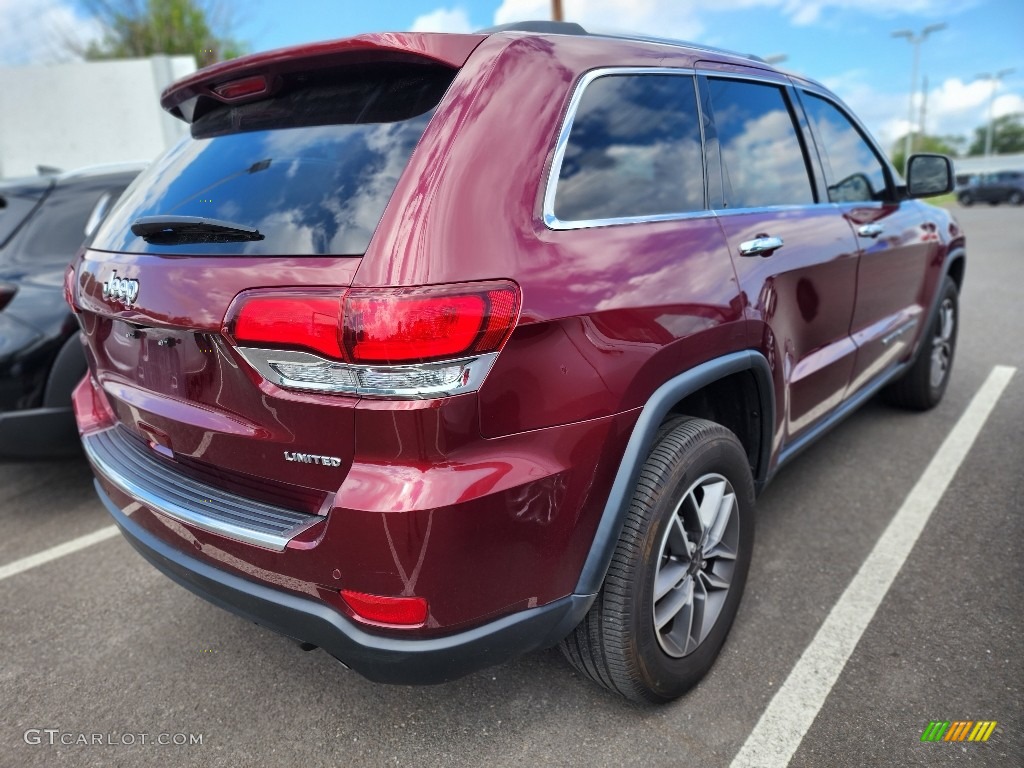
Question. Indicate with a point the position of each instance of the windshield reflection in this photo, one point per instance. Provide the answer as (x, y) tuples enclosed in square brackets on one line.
[(319, 190)]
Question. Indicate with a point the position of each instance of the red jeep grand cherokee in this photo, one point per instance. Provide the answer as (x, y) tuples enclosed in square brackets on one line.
[(431, 350)]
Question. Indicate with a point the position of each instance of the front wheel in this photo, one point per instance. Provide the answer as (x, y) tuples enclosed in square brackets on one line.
[(1016, 198), (924, 384), (966, 200), (678, 572)]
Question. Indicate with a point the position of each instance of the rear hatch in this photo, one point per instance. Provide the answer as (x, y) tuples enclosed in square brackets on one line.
[(291, 161)]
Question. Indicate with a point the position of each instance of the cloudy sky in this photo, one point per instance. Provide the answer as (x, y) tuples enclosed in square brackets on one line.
[(846, 44)]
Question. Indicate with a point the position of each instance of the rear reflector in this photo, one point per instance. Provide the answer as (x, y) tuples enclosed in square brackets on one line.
[(400, 611)]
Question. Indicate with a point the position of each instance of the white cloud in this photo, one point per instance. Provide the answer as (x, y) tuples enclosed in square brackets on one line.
[(42, 32), (804, 12), (953, 108), (443, 20), (676, 18), (667, 18)]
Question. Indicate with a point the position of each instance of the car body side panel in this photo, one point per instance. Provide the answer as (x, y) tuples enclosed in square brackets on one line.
[(799, 302), (895, 280), (608, 312)]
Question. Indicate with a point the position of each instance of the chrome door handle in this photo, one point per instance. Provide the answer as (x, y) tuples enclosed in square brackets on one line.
[(760, 246), (870, 230)]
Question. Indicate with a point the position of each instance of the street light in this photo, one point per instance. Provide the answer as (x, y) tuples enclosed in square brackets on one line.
[(914, 40), (991, 102)]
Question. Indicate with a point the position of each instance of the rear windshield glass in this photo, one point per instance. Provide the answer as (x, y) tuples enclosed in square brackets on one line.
[(15, 206), (311, 168)]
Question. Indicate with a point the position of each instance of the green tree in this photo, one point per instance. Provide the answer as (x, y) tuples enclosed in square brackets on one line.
[(146, 27), (943, 145), (1007, 136)]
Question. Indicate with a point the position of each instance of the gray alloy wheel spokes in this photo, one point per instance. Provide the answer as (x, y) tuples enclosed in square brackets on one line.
[(942, 343), (695, 565)]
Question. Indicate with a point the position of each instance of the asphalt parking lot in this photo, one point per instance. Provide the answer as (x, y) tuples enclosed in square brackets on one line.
[(98, 642)]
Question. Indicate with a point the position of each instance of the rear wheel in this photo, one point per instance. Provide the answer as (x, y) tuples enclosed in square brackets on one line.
[(924, 384), (966, 199), (1016, 198), (678, 572)]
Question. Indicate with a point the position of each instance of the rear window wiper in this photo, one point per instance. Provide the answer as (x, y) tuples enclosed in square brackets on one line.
[(180, 230)]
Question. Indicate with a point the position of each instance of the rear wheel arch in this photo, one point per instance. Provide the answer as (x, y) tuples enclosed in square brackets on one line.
[(746, 371), (68, 368)]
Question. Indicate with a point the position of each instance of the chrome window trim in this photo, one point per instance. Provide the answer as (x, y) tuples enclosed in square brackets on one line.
[(780, 79), (551, 221), (719, 212), (474, 371), (147, 492)]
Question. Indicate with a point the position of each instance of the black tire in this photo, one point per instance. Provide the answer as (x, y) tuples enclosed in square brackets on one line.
[(921, 387), (966, 200), (1015, 198), (617, 644)]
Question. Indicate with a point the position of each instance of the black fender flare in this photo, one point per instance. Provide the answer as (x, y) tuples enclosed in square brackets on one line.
[(68, 369), (642, 440)]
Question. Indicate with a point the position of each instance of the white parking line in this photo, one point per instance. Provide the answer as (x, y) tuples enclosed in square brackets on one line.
[(40, 558), (791, 712)]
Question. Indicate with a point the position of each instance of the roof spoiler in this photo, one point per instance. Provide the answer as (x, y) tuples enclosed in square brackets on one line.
[(251, 76)]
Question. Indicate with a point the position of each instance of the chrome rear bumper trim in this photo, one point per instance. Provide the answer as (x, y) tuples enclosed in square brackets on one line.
[(204, 506)]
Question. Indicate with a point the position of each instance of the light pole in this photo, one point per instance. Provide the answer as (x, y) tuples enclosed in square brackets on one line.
[(991, 102), (915, 41), (556, 10)]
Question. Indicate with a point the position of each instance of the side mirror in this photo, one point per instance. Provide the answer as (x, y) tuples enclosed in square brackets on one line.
[(929, 175)]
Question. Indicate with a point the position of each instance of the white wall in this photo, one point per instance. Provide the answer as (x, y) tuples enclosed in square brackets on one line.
[(86, 113), (990, 164)]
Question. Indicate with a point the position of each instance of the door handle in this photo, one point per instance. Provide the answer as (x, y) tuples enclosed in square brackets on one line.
[(762, 245), (870, 230)]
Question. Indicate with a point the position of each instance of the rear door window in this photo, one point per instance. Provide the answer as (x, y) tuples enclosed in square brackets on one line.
[(763, 161), (312, 168), (634, 151)]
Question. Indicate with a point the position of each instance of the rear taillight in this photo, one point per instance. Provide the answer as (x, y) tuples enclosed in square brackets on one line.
[(398, 342), (290, 321), (69, 288), (411, 325)]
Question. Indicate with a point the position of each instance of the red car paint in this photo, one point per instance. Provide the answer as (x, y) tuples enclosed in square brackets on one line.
[(487, 503)]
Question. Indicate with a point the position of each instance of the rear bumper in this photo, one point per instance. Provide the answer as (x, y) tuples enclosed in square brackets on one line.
[(381, 659), (39, 433)]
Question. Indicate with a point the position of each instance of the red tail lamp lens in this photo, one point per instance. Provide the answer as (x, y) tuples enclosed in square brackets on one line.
[(380, 325), (422, 324), (69, 290), (310, 322), (406, 611)]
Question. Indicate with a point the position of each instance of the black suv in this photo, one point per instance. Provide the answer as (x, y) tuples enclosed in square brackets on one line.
[(994, 188), (43, 221)]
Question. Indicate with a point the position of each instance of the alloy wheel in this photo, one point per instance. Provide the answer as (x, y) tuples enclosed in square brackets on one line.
[(695, 565)]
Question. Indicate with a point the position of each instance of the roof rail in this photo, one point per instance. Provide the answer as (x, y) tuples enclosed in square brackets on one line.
[(543, 27), (679, 43), (539, 26)]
